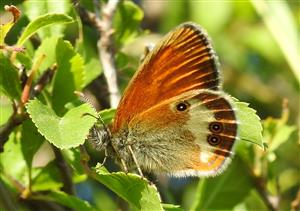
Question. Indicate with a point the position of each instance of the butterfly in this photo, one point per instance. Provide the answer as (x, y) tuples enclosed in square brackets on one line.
[(174, 117)]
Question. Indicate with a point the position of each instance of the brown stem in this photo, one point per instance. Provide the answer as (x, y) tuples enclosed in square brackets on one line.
[(65, 172), (260, 186), (19, 115), (103, 25)]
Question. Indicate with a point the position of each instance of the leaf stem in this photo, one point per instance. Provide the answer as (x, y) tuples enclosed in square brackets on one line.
[(65, 172)]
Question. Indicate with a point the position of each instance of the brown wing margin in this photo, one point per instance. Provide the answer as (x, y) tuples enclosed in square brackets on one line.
[(182, 61)]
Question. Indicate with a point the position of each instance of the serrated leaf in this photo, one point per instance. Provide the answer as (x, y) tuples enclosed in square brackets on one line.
[(225, 191), (132, 188), (63, 132), (127, 22), (41, 22), (67, 200), (70, 75), (250, 127), (9, 79), (31, 141)]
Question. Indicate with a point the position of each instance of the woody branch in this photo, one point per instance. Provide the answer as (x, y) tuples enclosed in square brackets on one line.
[(103, 24)]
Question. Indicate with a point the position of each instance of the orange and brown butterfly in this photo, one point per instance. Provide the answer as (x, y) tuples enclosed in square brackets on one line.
[(174, 117)]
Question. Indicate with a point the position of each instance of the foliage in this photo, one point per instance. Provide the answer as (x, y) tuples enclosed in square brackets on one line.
[(45, 155)]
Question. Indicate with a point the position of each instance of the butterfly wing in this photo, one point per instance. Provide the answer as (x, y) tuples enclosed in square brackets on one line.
[(182, 61), (188, 135)]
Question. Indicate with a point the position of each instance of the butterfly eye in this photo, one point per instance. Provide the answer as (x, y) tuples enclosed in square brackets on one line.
[(215, 127), (182, 106), (213, 140)]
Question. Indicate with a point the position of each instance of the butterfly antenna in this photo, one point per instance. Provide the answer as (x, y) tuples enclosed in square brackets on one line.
[(85, 99)]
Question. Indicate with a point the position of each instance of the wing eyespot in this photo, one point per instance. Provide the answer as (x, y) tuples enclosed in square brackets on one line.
[(214, 140), (182, 106), (216, 127)]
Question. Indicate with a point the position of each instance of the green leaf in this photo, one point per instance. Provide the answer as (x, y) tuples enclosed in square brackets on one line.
[(132, 188), (67, 200), (31, 141), (107, 115), (282, 24), (73, 157), (276, 132), (250, 127), (216, 19), (64, 132), (70, 75), (41, 22), (88, 49), (46, 48), (224, 191), (6, 109), (5, 27), (127, 22), (12, 162), (33, 10), (9, 79), (46, 178)]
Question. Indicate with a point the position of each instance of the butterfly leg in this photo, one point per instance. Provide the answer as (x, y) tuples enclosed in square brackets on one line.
[(135, 161), (124, 165), (105, 157)]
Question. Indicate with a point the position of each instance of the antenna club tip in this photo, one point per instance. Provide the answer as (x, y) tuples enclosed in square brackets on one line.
[(79, 94)]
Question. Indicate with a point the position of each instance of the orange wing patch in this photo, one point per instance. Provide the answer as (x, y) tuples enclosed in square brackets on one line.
[(182, 61)]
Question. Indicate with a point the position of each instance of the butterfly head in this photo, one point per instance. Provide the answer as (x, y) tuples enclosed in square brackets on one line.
[(100, 136)]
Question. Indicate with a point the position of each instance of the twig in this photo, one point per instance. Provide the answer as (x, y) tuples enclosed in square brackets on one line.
[(19, 115), (295, 205), (106, 53), (14, 120), (65, 171), (260, 187), (6, 200), (105, 45)]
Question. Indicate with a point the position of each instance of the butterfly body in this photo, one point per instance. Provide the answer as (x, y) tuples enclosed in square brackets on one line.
[(173, 117)]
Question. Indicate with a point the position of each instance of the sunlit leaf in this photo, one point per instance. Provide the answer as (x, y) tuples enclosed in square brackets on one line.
[(5, 27), (250, 127), (9, 79), (41, 22), (276, 132), (132, 188), (35, 9), (127, 22), (70, 75), (64, 132)]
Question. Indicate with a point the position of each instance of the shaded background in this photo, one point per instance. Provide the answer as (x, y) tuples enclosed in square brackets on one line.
[(258, 48)]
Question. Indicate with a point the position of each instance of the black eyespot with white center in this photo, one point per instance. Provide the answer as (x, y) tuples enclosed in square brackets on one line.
[(213, 140), (182, 106), (216, 127)]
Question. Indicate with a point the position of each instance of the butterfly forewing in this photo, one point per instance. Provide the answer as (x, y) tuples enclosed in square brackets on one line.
[(182, 61)]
